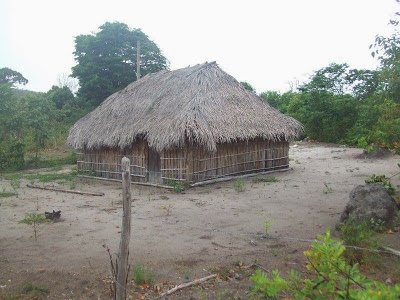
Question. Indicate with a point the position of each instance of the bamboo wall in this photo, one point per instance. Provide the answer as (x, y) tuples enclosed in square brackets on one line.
[(190, 164), (107, 162)]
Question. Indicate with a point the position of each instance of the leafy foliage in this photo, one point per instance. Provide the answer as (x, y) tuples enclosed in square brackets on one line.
[(332, 278), (30, 122), (384, 180), (272, 97), (106, 60), (178, 185), (357, 234), (60, 96), (8, 76), (326, 117), (248, 86)]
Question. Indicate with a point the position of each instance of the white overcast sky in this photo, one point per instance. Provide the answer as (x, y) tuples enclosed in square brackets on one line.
[(266, 43)]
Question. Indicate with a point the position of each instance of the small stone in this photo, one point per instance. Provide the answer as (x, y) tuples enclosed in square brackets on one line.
[(237, 276), (389, 281)]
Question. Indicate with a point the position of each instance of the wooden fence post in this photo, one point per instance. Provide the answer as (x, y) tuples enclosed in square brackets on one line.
[(123, 254)]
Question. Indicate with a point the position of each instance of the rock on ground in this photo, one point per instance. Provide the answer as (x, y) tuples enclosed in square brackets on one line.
[(371, 201)]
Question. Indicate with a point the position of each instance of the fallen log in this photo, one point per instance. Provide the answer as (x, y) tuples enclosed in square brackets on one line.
[(188, 284), (64, 191)]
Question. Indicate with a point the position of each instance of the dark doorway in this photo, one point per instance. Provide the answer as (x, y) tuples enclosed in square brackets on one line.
[(154, 166)]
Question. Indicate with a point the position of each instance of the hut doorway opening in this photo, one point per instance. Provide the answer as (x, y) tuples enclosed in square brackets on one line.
[(154, 166)]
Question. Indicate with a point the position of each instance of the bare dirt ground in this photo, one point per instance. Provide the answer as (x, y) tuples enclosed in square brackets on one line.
[(206, 230)]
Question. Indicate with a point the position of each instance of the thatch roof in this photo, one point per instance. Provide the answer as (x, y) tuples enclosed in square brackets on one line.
[(200, 104)]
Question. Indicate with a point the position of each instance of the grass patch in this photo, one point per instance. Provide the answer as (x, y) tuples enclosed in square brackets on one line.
[(73, 183), (141, 275), (45, 177), (178, 185), (265, 179), (33, 291), (7, 194), (48, 177), (52, 162), (239, 185)]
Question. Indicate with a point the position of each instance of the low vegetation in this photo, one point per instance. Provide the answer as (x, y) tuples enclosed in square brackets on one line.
[(258, 179), (358, 236), (42, 177), (141, 275), (33, 291), (383, 180), (178, 185), (239, 185), (34, 220), (331, 277), (5, 194)]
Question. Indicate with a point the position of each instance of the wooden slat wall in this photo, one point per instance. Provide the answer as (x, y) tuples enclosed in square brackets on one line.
[(138, 155), (192, 164), (173, 164), (238, 158), (107, 162)]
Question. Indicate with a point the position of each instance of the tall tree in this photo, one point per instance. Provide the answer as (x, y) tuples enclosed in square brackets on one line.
[(10, 76), (339, 79), (106, 61)]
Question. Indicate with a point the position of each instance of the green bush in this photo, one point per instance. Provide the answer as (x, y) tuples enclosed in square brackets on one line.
[(12, 157), (331, 278), (358, 235), (178, 185), (382, 179)]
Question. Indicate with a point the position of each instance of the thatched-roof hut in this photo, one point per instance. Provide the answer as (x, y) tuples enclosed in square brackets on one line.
[(193, 124)]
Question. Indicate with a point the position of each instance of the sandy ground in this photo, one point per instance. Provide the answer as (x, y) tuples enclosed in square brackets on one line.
[(206, 229)]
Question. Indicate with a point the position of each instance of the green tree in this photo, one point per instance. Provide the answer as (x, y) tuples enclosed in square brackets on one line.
[(387, 51), (248, 86), (60, 96), (39, 112), (339, 79), (272, 97), (10, 76), (12, 122), (326, 117), (106, 61)]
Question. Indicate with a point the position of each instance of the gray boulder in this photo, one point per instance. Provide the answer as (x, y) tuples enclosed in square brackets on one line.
[(371, 201)]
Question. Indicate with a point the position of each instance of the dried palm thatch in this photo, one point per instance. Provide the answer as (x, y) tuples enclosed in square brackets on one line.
[(200, 104)]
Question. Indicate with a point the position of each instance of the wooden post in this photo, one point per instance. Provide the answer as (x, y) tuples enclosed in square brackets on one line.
[(138, 60), (123, 254)]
